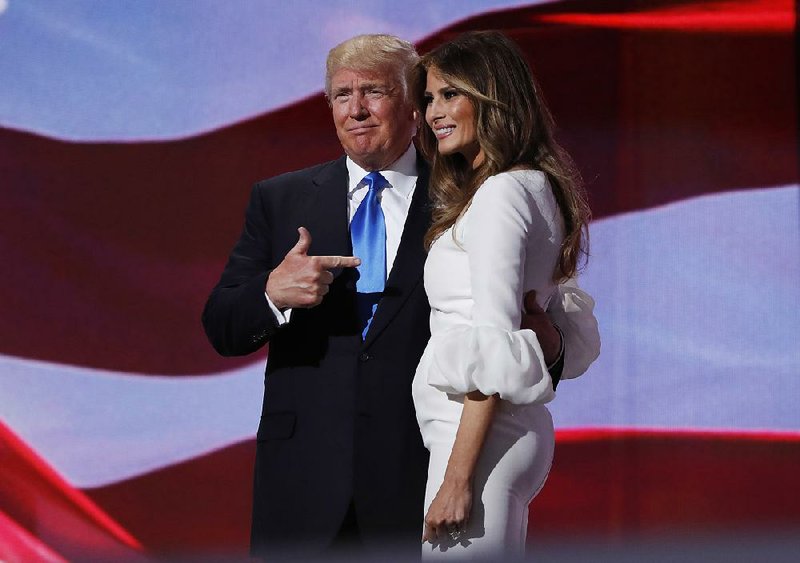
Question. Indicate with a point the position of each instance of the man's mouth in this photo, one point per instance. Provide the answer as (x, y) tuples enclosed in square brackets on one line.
[(361, 129)]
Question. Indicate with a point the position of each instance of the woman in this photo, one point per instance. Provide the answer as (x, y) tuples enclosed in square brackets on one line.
[(509, 216)]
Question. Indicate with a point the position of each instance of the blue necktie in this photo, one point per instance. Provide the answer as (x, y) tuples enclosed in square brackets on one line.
[(368, 231)]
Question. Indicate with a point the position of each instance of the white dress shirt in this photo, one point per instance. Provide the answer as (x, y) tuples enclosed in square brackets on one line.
[(395, 200)]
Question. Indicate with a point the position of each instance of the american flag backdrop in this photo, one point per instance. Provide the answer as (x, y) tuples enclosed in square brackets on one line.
[(131, 132)]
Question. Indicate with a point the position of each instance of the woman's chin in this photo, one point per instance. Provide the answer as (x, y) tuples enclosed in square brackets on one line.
[(445, 150)]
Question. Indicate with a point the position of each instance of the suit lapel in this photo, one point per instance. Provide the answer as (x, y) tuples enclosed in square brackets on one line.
[(410, 260), (324, 211)]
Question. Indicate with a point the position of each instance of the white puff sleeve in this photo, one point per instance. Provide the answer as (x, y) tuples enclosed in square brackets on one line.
[(506, 220), (572, 309)]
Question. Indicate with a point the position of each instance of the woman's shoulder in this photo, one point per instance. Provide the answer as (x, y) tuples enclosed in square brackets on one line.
[(521, 196), (514, 184), (527, 178)]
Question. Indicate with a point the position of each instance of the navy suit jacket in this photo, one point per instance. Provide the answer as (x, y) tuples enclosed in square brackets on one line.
[(338, 423)]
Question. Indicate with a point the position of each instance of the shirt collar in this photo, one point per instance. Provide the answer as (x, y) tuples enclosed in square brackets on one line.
[(401, 174)]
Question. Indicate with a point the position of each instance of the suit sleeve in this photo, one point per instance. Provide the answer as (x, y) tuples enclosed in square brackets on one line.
[(493, 355), (237, 318), (572, 309)]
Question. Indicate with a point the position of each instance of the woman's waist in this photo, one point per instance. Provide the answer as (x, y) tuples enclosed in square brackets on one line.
[(441, 425), (436, 406)]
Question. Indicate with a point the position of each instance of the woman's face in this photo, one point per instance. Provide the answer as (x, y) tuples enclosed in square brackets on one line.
[(451, 116)]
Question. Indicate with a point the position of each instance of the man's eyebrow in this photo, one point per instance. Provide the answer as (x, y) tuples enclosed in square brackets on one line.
[(363, 87), (375, 85)]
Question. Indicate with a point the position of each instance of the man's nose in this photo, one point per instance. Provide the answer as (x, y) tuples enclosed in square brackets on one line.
[(357, 107)]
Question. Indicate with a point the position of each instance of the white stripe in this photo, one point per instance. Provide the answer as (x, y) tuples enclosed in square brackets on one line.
[(97, 427), (167, 69), (699, 310)]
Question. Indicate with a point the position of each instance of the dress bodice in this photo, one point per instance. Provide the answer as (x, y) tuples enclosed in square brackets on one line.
[(506, 243)]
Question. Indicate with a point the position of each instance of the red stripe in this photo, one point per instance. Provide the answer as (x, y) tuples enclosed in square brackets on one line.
[(39, 500), (202, 506), (630, 483), (18, 544), (754, 16), (604, 483), (605, 434)]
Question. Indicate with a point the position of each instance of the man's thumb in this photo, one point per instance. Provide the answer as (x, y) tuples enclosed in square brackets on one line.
[(529, 301), (303, 243)]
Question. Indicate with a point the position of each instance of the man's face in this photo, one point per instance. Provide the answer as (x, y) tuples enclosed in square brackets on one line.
[(373, 121)]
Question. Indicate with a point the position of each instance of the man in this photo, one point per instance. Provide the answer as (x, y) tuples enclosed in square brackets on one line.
[(339, 455)]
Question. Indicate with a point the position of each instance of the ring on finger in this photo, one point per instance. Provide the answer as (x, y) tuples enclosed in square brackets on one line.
[(454, 532)]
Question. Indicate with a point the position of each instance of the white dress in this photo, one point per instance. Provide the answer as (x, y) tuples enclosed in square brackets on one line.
[(506, 244)]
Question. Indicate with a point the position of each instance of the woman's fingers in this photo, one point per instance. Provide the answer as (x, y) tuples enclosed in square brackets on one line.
[(442, 528), (429, 533), (446, 519)]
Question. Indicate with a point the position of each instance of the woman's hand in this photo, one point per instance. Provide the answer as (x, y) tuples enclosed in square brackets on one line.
[(449, 511)]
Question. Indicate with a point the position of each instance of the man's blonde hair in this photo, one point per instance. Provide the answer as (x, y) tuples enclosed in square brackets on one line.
[(373, 53)]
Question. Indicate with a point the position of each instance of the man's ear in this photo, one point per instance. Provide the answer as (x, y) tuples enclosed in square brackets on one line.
[(415, 116)]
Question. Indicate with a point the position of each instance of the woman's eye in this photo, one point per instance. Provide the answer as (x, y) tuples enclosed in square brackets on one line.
[(427, 100), (450, 94)]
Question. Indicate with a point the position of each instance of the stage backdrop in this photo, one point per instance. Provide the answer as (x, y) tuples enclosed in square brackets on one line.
[(131, 132)]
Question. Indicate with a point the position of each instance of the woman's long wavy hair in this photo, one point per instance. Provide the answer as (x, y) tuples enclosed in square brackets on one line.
[(514, 129)]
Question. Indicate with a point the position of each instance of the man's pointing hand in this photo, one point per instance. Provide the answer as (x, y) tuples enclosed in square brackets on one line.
[(300, 280)]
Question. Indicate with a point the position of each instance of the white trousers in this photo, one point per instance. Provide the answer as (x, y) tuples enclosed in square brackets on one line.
[(512, 468)]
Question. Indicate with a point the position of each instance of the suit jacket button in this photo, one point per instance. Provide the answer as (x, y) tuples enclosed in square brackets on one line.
[(364, 357)]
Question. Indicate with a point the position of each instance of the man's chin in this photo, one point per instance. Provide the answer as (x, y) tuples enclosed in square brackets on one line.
[(366, 157)]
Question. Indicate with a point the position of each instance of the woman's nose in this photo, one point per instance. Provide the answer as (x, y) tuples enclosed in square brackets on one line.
[(434, 111)]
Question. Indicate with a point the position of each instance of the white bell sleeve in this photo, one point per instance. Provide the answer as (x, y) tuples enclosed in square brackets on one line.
[(572, 309), (493, 355)]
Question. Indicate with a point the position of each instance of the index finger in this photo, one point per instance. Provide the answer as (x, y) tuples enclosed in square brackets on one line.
[(338, 261), (428, 534)]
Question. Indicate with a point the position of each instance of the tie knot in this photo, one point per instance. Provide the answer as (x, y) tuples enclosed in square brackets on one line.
[(375, 181)]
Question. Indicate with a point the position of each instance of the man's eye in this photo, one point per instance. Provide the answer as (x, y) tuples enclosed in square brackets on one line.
[(341, 96), (375, 93)]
